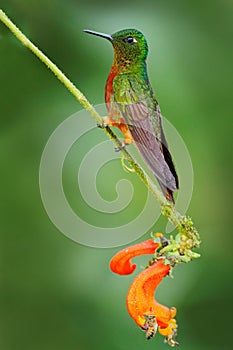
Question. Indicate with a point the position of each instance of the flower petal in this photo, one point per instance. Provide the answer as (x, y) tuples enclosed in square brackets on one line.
[(140, 299), (121, 262)]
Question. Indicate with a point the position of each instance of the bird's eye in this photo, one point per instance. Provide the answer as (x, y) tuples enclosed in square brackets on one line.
[(130, 40)]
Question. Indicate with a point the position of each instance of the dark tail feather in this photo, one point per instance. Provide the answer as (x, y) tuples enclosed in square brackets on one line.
[(167, 192), (168, 159)]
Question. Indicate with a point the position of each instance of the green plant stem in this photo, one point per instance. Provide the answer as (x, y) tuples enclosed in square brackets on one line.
[(183, 224)]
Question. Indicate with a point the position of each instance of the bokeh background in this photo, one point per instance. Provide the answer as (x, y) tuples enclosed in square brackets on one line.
[(55, 293)]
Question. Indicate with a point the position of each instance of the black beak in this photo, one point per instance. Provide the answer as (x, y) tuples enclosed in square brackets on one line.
[(102, 35)]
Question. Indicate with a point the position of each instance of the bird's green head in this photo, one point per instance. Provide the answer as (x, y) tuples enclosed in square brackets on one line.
[(129, 45)]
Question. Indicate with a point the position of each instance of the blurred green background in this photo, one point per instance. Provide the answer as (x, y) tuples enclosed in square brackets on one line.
[(55, 293)]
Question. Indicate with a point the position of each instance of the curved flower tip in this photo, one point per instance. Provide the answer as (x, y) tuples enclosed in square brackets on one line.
[(145, 310), (121, 262)]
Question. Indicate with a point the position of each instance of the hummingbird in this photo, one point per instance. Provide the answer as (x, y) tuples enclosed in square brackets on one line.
[(133, 107)]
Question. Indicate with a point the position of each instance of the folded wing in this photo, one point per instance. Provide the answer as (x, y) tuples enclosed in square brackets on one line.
[(136, 103)]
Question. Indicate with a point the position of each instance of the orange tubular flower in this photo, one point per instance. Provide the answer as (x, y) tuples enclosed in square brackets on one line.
[(142, 307), (141, 303), (121, 262)]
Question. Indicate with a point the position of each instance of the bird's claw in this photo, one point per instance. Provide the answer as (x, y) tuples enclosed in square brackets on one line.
[(102, 126), (119, 148)]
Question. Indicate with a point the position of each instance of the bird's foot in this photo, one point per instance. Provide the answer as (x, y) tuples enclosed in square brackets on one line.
[(106, 121), (102, 126), (119, 148)]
